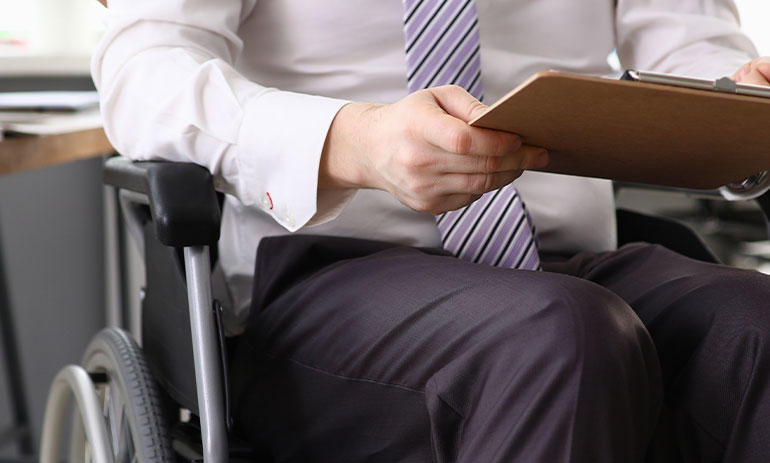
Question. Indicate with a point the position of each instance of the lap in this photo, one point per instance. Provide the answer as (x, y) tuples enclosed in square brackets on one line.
[(375, 310), (363, 329), (352, 306), (370, 325)]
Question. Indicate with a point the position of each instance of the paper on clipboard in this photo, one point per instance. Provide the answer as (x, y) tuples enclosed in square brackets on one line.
[(636, 131)]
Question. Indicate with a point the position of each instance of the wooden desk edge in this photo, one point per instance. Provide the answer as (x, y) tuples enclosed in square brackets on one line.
[(25, 152)]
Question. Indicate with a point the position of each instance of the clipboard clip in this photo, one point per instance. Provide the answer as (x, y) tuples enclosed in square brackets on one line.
[(726, 85), (723, 85)]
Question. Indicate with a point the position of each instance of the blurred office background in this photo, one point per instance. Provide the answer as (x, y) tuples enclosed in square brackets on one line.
[(52, 220)]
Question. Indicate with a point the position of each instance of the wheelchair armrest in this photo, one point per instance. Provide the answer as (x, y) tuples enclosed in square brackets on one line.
[(182, 198)]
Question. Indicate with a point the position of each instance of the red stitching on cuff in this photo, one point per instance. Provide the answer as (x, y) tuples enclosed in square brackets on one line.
[(271, 200)]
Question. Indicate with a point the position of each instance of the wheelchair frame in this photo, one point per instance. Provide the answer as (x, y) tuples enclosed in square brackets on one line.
[(185, 212)]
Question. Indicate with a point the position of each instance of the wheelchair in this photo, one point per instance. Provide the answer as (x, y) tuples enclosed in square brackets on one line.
[(169, 401), (127, 399)]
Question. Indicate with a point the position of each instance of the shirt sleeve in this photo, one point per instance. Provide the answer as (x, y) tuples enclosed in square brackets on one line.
[(698, 38), (169, 90)]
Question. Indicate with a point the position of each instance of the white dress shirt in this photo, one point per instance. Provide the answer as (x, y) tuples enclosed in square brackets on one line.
[(249, 88)]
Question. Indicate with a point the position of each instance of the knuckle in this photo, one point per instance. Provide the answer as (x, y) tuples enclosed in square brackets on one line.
[(423, 205), (489, 182), (415, 159), (492, 164), (507, 143), (410, 184), (408, 129), (481, 164), (475, 106), (498, 145), (479, 183), (471, 183), (417, 186), (456, 88), (515, 141), (460, 141)]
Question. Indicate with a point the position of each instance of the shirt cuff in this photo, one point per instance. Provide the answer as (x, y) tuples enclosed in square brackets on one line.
[(281, 139)]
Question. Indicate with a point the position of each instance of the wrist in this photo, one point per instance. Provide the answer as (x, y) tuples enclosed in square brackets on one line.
[(343, 159)]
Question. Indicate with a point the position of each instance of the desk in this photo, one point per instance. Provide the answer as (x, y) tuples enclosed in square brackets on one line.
[(19, 153), (26, 152)]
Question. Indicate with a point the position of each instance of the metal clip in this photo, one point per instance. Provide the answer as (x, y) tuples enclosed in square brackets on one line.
[(725, 84)]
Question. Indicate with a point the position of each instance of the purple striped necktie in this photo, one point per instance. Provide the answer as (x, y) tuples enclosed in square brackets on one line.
[(442, 47)]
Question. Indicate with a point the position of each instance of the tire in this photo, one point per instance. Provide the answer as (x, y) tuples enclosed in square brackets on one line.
[(131, 402)]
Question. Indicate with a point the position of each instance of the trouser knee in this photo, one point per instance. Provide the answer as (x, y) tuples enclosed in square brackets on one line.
[(571, 325), (577, 361)]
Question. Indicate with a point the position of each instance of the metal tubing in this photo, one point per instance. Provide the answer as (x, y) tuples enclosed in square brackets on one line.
[(206, 355), (73, 378)]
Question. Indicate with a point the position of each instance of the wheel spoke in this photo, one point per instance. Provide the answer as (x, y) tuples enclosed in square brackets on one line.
[(104, 394), (126, 442), (119, 427)]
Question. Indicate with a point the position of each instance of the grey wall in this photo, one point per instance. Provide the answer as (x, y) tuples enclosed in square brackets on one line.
[(51, 224)]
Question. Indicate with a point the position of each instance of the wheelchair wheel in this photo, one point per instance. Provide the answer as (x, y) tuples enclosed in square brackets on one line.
[(131, 402)]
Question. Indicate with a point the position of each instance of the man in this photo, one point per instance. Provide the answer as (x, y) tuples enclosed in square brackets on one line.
[(389, 349)]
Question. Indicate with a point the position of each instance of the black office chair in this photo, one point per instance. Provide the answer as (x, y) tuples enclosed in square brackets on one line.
[(130, 398)]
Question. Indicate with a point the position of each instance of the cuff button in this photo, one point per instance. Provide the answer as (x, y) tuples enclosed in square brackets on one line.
[(290, 220)]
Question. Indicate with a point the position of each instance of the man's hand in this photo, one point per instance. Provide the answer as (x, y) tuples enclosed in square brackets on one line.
[(756, 72), (422, 151)]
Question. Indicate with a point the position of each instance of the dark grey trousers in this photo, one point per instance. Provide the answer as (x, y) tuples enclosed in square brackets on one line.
[(360, 351)]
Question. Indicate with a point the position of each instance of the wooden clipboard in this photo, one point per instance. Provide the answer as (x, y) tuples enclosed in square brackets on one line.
[(637, 132)]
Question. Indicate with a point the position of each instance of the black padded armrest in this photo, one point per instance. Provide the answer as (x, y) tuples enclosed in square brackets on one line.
[(183, 202)]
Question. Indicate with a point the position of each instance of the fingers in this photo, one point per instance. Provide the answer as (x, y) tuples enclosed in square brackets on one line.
[(475, 184), (526, 157), (459, 190), (764, 69), (431, 160), (454, 136), (741, 73), (446, 127), (756, 72), (755, 77)]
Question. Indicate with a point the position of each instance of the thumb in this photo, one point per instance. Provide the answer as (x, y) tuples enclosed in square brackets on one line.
[(457, 102), (755, 76), (763, 68), (756, 72)]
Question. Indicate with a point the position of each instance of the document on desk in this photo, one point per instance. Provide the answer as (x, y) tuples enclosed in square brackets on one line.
[(48, 101), (49, 123), (637, 131)]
